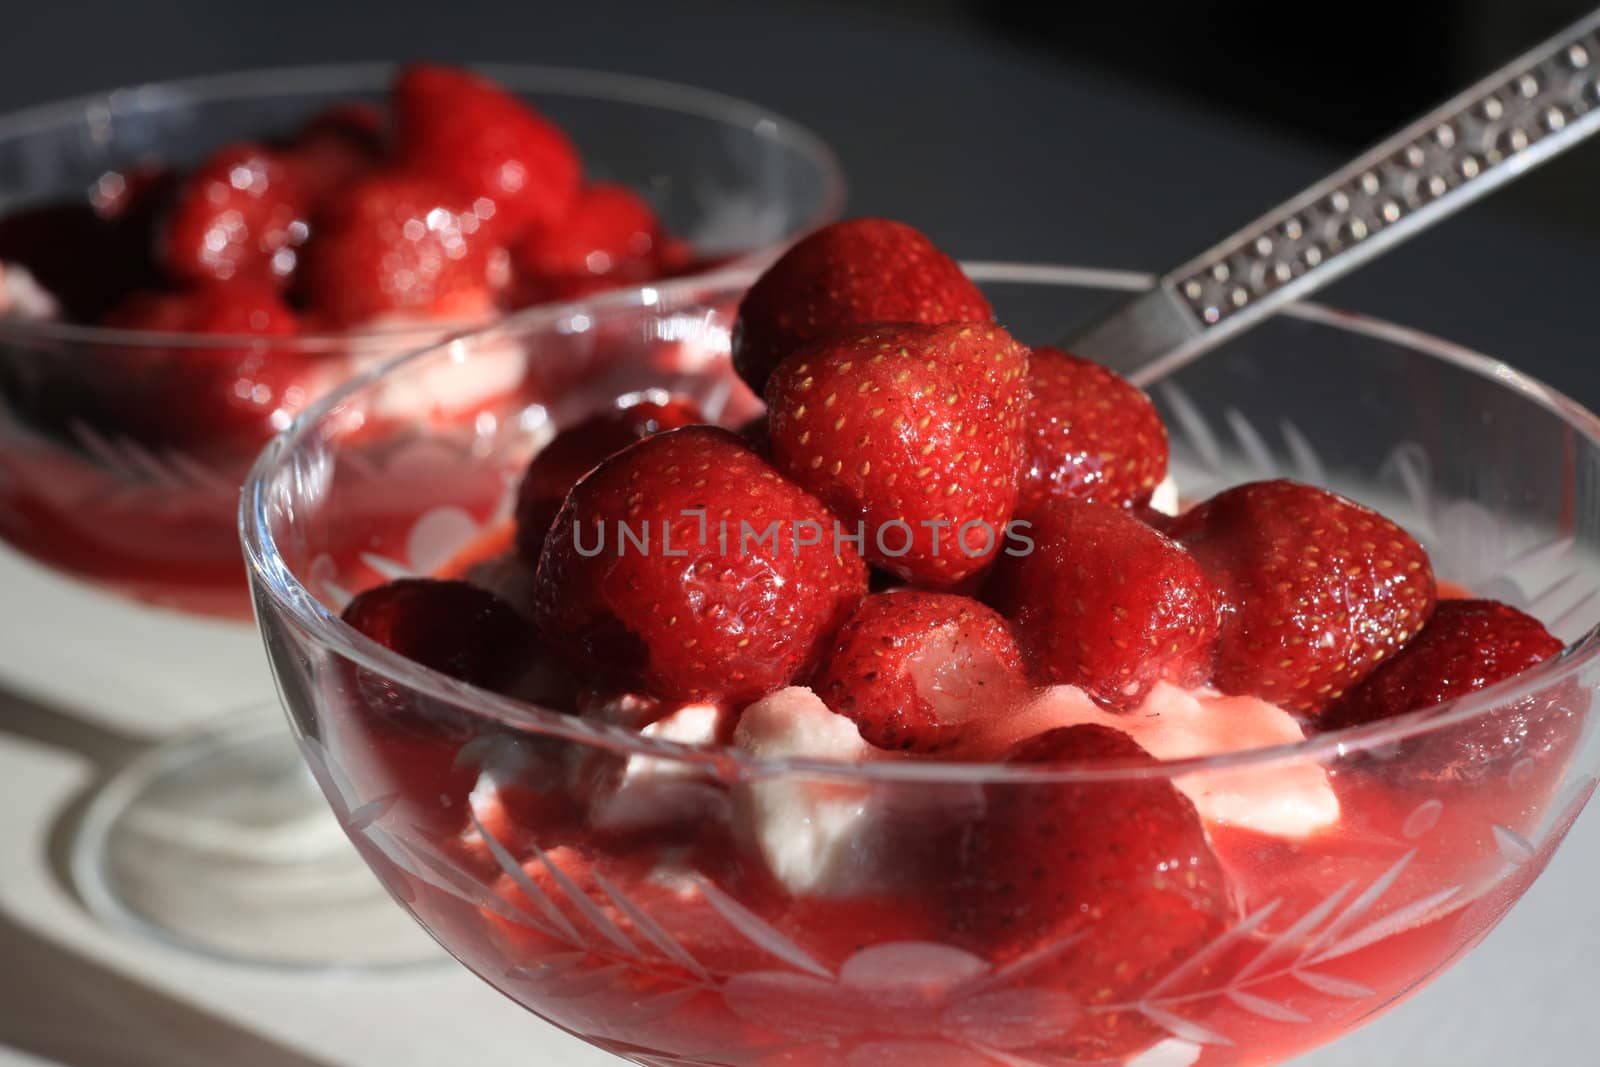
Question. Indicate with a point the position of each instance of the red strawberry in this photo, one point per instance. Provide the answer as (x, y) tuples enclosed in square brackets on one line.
[(1106, 603), (696, 605), (915, 431), (400, 243), (913, 669), (579, 449), (1317, 590), (334, 147), (845, 275), (113, 229), (1469, 645), (484, 142), (609, 238), (199, 395), (449, 626), (241, 214), (401, 742), (1091, 435), (1114, 877)]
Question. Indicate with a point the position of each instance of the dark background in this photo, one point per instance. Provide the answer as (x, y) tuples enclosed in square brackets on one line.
[(1116, 134)]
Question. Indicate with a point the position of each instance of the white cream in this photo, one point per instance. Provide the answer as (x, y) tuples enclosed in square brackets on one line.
[(815, 835), (1165, 497), (442, 387), (1290, 799), (22, 297), (649, 791)]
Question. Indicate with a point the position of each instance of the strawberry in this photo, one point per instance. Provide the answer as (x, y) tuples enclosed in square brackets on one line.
[(402, 742), (194, 396), (845, 275), (242, 213), (399, 243), (1106, 603), (485, 143), (914, 431), (913, 669), (448, 626), (1110, 885), (609, 238), (334, 147), (579, 449), (1316, 589), (113, 228), (1091, 435), (686, 565), (1469, 645)]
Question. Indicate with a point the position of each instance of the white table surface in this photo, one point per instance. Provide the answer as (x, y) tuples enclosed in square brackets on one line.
[(76, 994)]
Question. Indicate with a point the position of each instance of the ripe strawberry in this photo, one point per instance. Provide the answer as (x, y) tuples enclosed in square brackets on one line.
[(1317, 590), (402, 742), (1106, 603), (608, 239), (113, 229), (579, 449), (199, 396), (916, 431), (914, 669), (449, 626), (399, 243), (1115, 877), (845, 275), (335, 147), (696, 605), (1091, 435), (484, 142), (1469, 645), (241, 214)]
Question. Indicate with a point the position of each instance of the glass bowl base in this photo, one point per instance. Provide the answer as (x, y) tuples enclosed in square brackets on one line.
[(220, 843)]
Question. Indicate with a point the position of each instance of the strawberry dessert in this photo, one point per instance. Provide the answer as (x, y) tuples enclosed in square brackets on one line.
[(906, 725), (218, 299)]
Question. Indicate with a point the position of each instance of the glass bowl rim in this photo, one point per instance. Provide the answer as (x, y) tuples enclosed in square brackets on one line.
[(265, 82), (268, 570)]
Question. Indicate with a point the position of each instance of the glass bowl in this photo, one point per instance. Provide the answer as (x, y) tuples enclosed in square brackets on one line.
[(102, 474), (121, 461), (692, 904)]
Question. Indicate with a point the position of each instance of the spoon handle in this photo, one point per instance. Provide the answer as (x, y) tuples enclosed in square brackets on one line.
[(1533, 108)]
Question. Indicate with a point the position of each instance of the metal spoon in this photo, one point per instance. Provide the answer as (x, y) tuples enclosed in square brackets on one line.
[(1532, 109)]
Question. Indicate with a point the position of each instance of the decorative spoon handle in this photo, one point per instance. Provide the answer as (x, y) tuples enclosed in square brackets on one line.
[(1535, 107)]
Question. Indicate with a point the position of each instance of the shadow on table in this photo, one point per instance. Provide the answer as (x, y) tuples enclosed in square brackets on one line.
[(105, 749), (72, 1010), (81, 1013)]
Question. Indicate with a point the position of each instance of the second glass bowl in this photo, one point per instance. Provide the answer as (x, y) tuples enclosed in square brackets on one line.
[(100, 475), (615, 882), (116, 467)]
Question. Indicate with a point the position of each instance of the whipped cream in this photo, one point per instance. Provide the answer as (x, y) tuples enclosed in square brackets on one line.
[(473, 374), (829, 836), (1289, 799), (22, 297), (816, 836), (640, 792), (1165, 497)]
